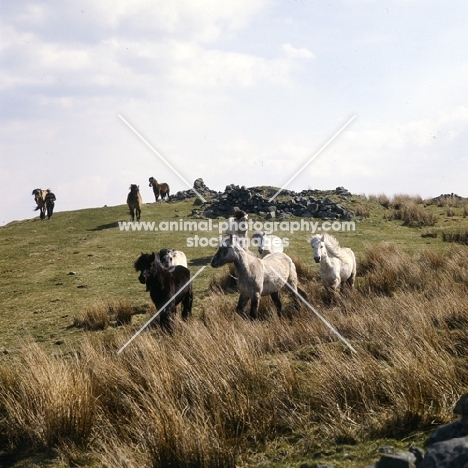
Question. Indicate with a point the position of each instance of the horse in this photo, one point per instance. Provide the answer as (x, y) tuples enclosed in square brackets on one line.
[(159, 189), (171, 257), (337, 264), (50, 203), (267, 244), (45, 202), (163, 284), (134, 201), (39, 198), (257, 277), (237, 225)]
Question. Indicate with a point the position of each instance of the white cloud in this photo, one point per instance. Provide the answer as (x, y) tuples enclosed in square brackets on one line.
[(231, 92), (297, 53)]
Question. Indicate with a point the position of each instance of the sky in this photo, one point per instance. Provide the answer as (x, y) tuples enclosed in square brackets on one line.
[(237, 92)]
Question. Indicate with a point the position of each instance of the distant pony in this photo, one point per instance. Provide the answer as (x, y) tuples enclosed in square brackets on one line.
[(237, 225), (163, 284), (159, 189), (257, 277), (50, 203), (337, 264), (45, 201), (171, 257), (134, 201), (267, 244), (39, 198)]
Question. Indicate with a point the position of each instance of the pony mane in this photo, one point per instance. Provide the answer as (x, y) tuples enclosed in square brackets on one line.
[(332, 245)]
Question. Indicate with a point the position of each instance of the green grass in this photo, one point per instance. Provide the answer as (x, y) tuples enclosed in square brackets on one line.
[(41, 300)]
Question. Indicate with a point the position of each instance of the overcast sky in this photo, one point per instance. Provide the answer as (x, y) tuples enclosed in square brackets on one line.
[(233, 91)]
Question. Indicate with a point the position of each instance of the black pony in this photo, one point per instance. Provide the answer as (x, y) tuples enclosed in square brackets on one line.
[(163, 284)]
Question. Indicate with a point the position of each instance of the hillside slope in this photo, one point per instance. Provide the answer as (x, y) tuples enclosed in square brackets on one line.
[(52, 270)]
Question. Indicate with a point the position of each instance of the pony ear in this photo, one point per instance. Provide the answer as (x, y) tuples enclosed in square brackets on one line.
[(153, 256)]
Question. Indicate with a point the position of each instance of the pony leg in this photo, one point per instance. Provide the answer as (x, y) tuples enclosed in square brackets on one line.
[(254, 303), (165, 320), (187, 306), (276, 301), (241, 303), (350, 280)]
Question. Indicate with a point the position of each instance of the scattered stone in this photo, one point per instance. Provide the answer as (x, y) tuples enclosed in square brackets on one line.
[(447, 454), (5, 351), (72, 273), (418, 453), (58, 342), (397, 460), (447, 431), (448, 446), (461, 408), (387, 449)]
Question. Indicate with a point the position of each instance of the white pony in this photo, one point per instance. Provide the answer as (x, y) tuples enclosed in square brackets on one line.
[(171, 257), (337, 264), (267, 243), (257, 277)]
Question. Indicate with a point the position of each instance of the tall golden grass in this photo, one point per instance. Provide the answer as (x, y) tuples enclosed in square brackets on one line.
[(221, 386)]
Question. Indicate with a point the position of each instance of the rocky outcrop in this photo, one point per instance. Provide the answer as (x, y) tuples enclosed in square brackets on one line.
[(308, 203), (447, 446)]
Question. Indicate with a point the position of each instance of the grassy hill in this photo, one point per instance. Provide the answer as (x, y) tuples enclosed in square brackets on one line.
[(56, 272)]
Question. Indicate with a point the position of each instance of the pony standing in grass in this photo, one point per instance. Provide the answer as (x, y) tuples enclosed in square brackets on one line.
[(159, 189), (134, 202), (256, 277), (45, 201), (337, 264), (166, 285)]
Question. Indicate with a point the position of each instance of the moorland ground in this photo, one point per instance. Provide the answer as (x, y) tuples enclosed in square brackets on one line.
[(223, 391)]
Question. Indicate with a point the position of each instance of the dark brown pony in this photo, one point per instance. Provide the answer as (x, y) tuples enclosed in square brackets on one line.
[(134, 202), (163, 284), (159, 189)]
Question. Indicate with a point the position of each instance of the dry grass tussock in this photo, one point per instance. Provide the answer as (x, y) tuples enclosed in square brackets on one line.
[(460, 236), (100, 314), (221, 385), (382, 199), (413, 214)]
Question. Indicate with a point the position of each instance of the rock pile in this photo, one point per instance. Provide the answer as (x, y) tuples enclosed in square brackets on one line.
[(200, 187), (447, 446), (446, 197), (308, 203)]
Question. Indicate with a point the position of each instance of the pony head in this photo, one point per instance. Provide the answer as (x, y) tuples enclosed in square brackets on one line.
[(226, 252), (166, 256), (144, 264), (318, 246), (257, 240)]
